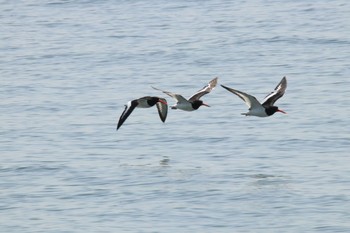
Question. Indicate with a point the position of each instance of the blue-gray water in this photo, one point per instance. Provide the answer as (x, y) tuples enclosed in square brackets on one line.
[(68, 67)]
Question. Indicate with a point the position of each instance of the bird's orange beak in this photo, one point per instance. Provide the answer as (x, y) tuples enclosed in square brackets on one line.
[(279, 110), (163, 102), (205, 104)]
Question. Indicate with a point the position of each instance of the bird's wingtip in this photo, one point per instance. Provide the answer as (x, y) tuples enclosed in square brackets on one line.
[(224, 86)]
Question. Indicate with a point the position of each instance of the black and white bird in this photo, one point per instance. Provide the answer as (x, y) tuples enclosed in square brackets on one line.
[(266, 108), (145, 102), (194, 102)]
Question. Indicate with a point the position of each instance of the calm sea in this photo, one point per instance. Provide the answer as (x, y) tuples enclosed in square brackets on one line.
[(68, 67)]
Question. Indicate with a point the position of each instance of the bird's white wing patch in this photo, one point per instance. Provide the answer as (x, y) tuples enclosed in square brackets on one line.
[(179, 98), (278, 92), (250, 100), (205, 90)]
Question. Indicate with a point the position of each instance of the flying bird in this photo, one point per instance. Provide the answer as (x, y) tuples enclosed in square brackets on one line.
[(266, 108), (145, 102), (194, 102)]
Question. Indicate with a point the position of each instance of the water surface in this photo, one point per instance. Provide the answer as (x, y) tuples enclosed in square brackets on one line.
[(68, 67)]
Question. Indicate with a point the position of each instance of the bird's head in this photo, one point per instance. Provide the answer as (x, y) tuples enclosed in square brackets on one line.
[(273, 109), (197, 103), (153, 100)]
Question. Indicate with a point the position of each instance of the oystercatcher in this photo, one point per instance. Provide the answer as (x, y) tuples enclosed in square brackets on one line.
[(145, 102), (194, 102), (266, 108)]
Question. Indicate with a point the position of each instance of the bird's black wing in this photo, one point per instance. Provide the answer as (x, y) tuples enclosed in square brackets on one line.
[(271, 98), (127, 111)]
